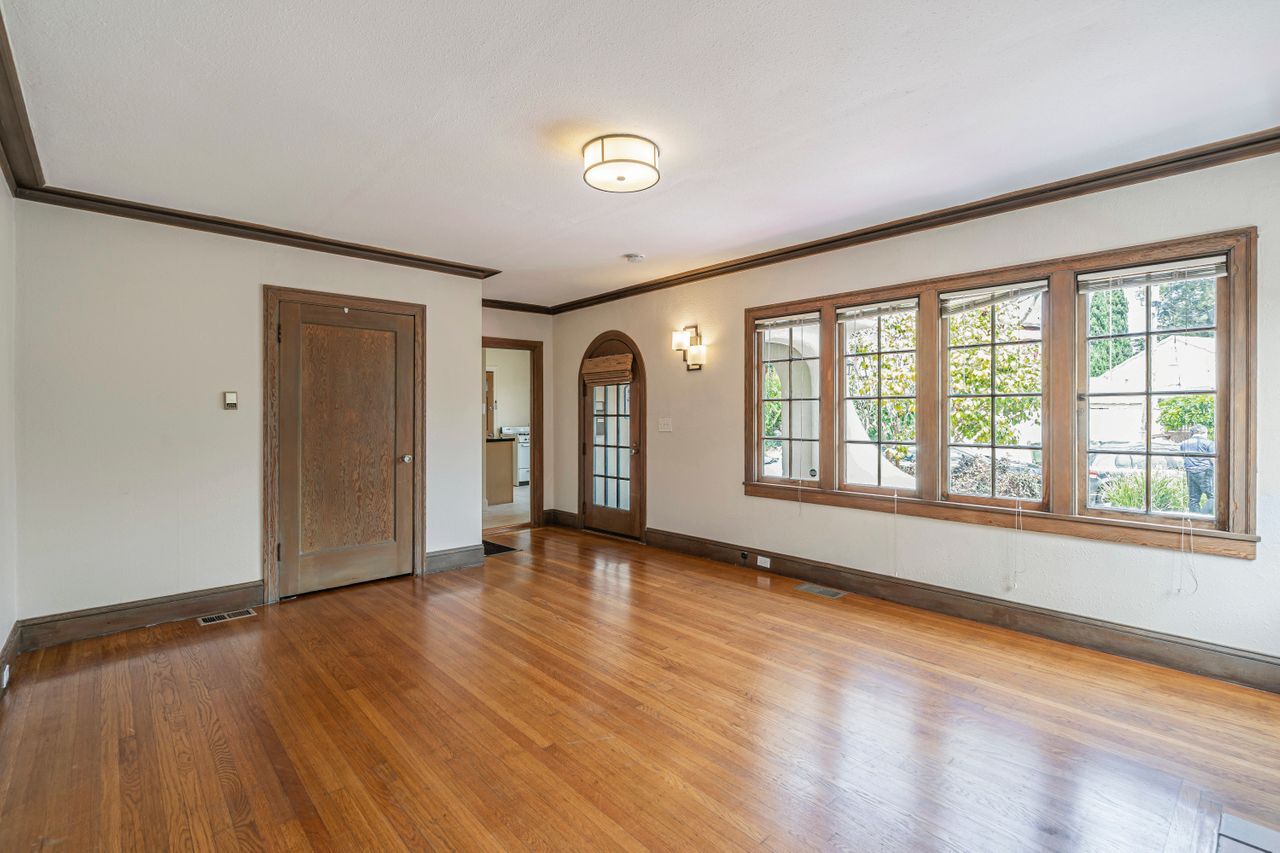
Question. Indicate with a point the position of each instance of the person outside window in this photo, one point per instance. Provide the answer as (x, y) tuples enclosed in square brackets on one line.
[(1199, 470)]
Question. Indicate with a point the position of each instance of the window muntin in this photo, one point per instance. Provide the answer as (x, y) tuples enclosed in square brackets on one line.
[(611, 446), (994, 393), (790, 381), (878, 390), (1151, 389)]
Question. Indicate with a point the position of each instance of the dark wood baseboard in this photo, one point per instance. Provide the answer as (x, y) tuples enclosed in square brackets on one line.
[(454, 558), (562, 518), (44, 631), (1251, 669), (9, 651)]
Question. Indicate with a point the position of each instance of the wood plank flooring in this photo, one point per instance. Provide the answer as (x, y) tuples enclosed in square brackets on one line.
[(590, 694)]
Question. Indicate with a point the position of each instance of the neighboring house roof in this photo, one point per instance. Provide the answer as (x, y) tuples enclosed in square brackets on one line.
[(1186, 360)]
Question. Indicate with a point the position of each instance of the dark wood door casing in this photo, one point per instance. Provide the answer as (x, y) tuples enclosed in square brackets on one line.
[(536, 418), (341, 503), (625, 523)]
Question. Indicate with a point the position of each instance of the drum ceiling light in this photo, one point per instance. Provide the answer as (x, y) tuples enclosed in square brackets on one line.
[(620, 163)]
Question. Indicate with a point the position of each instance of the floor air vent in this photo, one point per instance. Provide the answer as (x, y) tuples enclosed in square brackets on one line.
[(814, 589), (226, 617)]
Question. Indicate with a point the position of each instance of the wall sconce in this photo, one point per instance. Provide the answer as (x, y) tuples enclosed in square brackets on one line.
[(689, 341)]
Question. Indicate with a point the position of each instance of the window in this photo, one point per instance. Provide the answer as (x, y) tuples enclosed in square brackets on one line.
[(790, 378), (995, 392), (611, 446), (1108, 396), (879, 389), (1151, 381)]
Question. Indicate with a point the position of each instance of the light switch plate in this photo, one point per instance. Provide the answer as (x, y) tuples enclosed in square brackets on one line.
[(230, 400), (664, 424)]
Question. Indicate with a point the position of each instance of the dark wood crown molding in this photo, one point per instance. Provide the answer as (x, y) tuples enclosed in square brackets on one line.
[(527, 307), (18, 158), (246, 230)]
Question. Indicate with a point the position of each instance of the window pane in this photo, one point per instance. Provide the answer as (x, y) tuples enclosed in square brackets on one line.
[(970, 472), (1019, 474), (777, 343), (898, 466), (860, 335), (611, 399), (1185, 423), (624, 398), (772, 381), (860, 420), (1183, 484), (898, 375), (898, 420), (1118, 423), (805, 379), (611, 493), (1117, 481), (969, 327), (804, 341), (898, 331), (1118, 365), (597, 466), (610, 462), (1018, 368), (1184, 304), (774, 418), (804, 460), (624, 462), (1019, 319), (624, 494), (860, 376), (1184, 362), (970, 420), (598, 433), (969, 370), (624, 431), (773, 459), (804, 419), (1018, 421), (1120, 311), (860, 461), (611, 431), (598, 490)]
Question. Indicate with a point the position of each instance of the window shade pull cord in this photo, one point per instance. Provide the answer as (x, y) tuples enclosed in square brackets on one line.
[(1017, 544), (1187, 556)]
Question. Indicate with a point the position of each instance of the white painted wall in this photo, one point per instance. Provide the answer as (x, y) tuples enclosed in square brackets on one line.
[(8, 422), (511, 378), (524, 326), (133, 481), (695, 472)]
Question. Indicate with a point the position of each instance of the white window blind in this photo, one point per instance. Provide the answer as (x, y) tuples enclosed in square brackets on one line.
[(968, 300)]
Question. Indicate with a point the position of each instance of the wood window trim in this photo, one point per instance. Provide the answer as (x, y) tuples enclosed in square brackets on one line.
[(1062, 511)]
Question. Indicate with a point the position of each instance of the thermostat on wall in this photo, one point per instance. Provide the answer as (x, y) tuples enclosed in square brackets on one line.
[(229, 400)]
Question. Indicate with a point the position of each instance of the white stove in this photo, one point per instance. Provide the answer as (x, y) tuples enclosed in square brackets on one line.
[(521, 435)]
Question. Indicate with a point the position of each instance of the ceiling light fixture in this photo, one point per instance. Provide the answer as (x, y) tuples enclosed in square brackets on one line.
[(620, 163)]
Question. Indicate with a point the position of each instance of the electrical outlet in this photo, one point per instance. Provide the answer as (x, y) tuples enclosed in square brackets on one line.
[(763, 561)]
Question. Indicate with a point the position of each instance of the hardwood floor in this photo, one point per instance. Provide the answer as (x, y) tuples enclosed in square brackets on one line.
[(586, 693)]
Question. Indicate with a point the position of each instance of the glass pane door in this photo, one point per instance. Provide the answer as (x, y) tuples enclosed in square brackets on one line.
[(611, 446)]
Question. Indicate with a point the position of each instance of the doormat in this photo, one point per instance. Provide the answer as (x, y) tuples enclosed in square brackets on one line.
[(491, 548)]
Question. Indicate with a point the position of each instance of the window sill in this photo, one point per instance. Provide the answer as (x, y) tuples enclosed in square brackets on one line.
[(1217, 542)]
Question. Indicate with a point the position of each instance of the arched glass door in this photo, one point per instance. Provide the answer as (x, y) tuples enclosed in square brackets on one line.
[(612, 436)]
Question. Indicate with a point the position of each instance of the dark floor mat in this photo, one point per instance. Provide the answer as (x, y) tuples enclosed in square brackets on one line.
[(491, 548)]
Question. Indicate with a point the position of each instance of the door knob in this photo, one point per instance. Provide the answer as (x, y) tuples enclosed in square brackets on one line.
[(408, 457)]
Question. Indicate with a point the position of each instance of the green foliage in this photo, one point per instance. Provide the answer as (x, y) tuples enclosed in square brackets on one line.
[(1168, 491), (1184, 412), (1185, 305), (1109, 315), (772, 410)]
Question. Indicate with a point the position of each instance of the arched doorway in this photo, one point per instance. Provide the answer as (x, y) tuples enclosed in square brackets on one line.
[(611, 467)]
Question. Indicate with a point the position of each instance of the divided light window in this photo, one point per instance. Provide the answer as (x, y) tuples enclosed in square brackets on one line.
[(995, 392), (1151, 379), (790, 378), (879, 389)]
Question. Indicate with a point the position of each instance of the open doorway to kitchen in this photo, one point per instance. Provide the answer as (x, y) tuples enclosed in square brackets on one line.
[(512, 433)]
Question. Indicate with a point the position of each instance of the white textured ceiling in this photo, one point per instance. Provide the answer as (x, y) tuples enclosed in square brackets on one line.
[(453, 129)]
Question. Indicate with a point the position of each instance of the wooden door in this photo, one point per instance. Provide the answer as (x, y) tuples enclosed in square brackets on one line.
[(612, 469), (346, 446)]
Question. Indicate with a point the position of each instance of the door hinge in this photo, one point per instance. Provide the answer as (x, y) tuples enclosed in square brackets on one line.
[(279, 556), (279, 333)]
